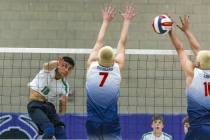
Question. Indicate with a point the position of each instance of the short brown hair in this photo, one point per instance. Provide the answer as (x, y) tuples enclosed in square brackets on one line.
[(157, 117), (69, 60)]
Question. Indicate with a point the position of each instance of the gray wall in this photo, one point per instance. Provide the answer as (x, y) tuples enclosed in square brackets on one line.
[(150, 83)]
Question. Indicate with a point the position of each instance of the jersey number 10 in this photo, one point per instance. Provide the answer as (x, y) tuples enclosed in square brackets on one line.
[(207, 88), (104, 77)]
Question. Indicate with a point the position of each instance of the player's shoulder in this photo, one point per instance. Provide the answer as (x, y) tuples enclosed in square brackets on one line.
[(146, 135), (116, 67), (93, 64), (47, 71), (199, 72), (167, 136), (116, 64), (198, 77)]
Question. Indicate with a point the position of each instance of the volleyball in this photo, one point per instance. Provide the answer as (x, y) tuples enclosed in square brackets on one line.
[(162, 24)]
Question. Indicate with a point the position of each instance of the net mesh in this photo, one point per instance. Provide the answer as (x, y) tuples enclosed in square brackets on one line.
[(152, 79)]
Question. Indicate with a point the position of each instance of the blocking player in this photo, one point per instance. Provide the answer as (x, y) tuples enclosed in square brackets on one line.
[(103, 79), (197, 83)]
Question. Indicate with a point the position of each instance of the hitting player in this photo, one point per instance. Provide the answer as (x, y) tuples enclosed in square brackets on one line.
[(103, 80), (44, 88)]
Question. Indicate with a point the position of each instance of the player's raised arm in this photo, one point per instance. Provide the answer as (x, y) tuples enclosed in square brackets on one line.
[(128, 14), (53, 64), (108, 14), (50, 65), (194, 44), (186, 63)]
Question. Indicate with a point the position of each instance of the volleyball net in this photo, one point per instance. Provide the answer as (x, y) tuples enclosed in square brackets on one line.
[(152, 81)]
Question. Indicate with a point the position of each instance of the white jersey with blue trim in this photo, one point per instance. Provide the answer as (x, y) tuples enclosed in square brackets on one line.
[(151, 136), (198, 97), (46, 84), (102, 87)]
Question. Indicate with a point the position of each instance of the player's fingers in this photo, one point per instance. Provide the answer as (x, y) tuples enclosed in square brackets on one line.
[(114, 13), (126, 8), (179, 27), (134, 14), (59, 58), (113, 10), (188, 18), (132, 10), (110, 8), (181, 20), (185, 18)]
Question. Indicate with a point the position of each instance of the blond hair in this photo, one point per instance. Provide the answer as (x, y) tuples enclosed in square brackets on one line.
[(106, 56), (203, 57)]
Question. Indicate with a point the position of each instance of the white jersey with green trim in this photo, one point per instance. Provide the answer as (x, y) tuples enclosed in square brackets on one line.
[(151, 136), (46, 84)]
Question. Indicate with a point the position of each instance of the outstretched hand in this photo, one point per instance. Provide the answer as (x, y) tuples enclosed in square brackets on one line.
[(61, 62), (185, 23), (129, 13), (108, 13)]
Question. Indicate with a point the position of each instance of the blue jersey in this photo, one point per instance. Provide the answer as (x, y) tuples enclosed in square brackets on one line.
[(102, 88), (198, 98)]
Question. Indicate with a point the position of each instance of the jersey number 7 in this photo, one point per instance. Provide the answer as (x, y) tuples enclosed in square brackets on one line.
[(207, 88), (104, 77)]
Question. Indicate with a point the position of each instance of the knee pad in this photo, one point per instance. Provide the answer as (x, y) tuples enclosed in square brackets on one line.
[(49, 132)]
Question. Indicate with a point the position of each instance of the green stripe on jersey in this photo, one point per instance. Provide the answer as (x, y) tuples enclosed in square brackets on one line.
[(65, 84)]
